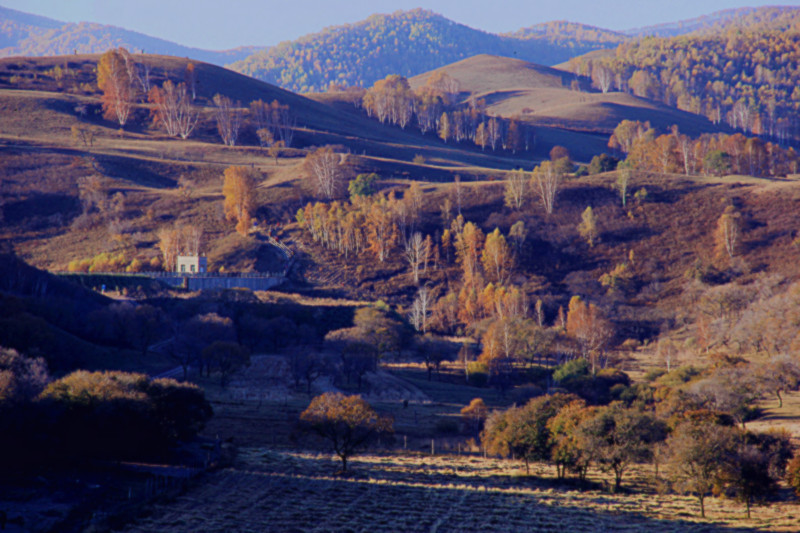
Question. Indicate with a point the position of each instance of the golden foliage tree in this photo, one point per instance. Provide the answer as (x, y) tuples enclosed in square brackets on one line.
[(115, 79), (239, 190), (347, 423), (497, 259), (587, 325), (588, 227)]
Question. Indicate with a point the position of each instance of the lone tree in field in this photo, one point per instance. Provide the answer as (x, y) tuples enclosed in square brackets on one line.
[(239, 189), (348, 423), (115, 80)]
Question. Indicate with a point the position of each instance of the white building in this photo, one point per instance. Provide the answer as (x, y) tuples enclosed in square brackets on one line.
[(191, 264)]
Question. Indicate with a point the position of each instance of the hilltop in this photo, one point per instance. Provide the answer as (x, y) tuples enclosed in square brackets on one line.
[(405, 43), (23, 34), (550, 99)]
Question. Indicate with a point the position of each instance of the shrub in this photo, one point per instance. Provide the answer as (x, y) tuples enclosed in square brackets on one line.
[(477, 374), (118, 415)]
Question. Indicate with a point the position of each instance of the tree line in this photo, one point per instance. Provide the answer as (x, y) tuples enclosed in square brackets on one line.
[(126, 83), (435, 108), (710, 154), (745, 78)]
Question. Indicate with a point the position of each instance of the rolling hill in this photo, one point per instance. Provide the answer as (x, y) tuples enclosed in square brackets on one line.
[(23, 34), (543, 96)]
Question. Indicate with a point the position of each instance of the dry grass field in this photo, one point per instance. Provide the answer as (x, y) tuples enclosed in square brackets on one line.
[(270, 490)]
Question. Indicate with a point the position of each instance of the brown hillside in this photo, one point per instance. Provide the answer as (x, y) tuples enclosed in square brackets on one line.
[(543, 96)]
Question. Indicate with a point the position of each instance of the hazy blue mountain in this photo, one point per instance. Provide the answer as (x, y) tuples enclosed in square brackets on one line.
[(23, 34)]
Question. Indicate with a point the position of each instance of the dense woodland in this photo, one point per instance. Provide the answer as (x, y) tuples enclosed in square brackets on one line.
[(405, 43), (745, 78)]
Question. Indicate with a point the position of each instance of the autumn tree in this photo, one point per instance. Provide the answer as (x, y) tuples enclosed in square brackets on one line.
[(469, 244), (347, 423), (239, 190), (114, 79), (516, 190), (617, 437), (227, 358), (445, 129), (567, 448), (622, 183), (327, 169), (190, 79), (229, 118), (474, 415), (588, 227), (497, 258), (728, 232), (698, 448), (546, 181), (752, 472), (481, 136), (381, 227), (587, 324), (522, 431), (173, 109), (21, 378)]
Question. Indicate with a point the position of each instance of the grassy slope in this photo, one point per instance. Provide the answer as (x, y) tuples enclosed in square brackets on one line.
[(542, 96)]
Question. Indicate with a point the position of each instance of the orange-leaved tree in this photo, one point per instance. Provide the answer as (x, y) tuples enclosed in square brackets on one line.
[(115, 78), (347, 423), (239, 189)]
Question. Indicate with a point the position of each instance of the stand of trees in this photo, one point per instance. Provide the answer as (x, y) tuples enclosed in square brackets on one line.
[(732, 77), (436, 109), (91, 415), (714, 155)]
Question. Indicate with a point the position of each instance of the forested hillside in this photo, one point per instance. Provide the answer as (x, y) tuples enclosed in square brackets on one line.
[(405, 43), (22, 34), (746, 79), (761, 18)]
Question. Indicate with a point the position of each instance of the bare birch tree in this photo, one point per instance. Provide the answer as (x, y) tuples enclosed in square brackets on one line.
[(415, 254), (326, 168), (546, 181), (229, 119), (174, 109), (516, 189)]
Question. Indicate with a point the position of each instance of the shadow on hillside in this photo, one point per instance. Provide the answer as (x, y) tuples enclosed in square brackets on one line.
[(586, 195), (135, 171)]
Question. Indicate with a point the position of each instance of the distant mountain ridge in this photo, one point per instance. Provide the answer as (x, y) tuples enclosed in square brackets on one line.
[(780, 18), (406, 43), (23, 34)]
